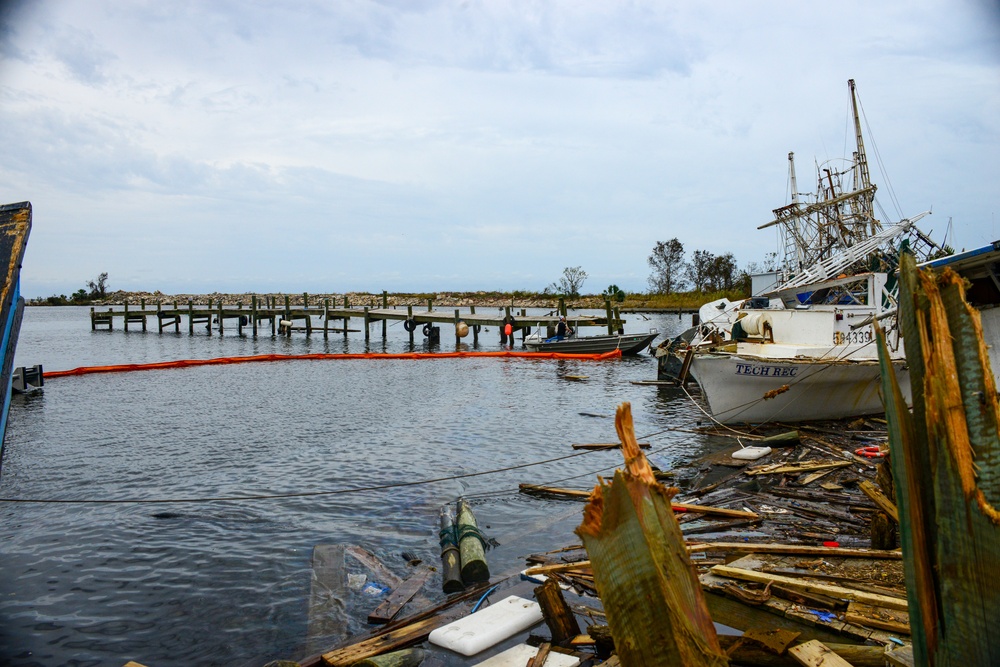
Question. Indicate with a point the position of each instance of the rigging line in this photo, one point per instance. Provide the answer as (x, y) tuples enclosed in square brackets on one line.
[(307, 494), (513, 492), (878, 159), (303, 494)]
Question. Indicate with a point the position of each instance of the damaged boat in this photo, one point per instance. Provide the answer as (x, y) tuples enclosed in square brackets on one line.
[(804, 348)]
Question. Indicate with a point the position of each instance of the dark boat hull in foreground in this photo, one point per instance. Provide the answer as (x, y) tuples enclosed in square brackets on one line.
[(15, 223), (627, 343)]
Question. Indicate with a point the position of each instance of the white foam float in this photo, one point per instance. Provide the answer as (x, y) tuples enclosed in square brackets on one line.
[(487, 627), (751, 453)]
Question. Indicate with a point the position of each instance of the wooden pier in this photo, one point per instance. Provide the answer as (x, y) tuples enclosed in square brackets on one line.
[(282, 318)]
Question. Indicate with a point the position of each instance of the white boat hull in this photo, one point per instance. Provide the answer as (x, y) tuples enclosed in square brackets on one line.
[(735, 387)]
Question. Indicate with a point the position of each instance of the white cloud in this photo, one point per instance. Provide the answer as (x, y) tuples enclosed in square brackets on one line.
[(447, 145)]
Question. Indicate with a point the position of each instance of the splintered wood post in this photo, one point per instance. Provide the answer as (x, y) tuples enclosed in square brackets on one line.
[(190, 317), (608, 315), (945, 460), (651, 594), (368, 322), (409, 317), (471, 546), (451, 566), (558, 616)]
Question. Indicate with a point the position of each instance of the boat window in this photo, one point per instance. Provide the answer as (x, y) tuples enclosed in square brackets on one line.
[(854, 293)]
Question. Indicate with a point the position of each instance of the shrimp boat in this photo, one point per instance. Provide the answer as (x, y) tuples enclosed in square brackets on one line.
[(804, 348)]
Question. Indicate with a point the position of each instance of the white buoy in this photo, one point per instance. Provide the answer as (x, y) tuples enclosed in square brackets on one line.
[(461, 329), (750, 453)]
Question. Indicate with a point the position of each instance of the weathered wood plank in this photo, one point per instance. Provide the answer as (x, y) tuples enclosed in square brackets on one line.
[(400, 596), (825, 589), (892, 620), (815, 654), (879, 498), (793, 550)]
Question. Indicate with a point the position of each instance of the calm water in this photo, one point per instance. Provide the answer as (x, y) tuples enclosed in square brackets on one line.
[(227, 582)]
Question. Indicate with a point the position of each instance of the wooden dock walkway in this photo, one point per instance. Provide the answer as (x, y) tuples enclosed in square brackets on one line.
[(284, 319)]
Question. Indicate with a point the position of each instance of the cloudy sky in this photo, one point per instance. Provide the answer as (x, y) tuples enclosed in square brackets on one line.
[(425, 145)]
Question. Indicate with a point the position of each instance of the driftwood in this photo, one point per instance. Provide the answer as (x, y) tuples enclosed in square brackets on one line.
[(400, 596), (753, 654), (558, 616), (652, 599), (779, 468), (792, 550), (605, 445), (534, 489), (797, 584), (879, 499), (816, 654)]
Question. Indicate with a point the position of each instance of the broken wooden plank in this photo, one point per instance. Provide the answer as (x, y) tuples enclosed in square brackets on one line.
[(825, 589), (742, 652), (534, 489), (793, 550), (892, 620), (880, 499), (605, 445), (815, 654), (400, 596), (797, 467), (369, 560)]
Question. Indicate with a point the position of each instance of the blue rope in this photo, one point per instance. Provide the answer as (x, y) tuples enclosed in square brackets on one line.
[(485, 595)]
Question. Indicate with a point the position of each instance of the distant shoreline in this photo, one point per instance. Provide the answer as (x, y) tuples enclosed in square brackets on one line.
[(682, 301)]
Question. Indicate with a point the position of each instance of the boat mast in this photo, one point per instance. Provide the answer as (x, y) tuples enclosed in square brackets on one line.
[(862, 161), (832, 220)]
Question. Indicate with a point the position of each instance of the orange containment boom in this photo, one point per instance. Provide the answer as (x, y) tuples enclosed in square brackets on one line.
[(218, 361)]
